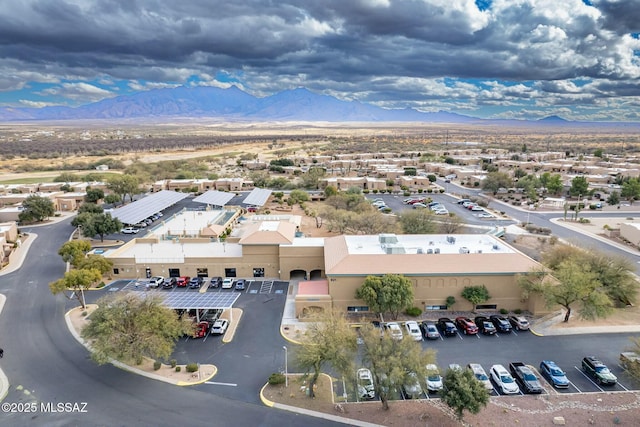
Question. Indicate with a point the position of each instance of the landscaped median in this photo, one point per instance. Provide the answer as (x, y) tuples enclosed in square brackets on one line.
[(78, 317)]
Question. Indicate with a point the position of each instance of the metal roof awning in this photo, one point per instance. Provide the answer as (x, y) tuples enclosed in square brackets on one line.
[(136, 211), (257, 197), (195, 300), (215, 198)]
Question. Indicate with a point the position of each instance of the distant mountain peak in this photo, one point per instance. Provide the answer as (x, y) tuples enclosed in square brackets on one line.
[(553, 119)]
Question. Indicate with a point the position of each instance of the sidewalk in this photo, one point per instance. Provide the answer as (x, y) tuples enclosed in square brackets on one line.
[(545, 327)]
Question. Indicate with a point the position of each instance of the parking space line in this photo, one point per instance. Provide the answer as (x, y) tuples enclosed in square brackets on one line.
[(575, 386), (459, 336), (514, 332), (590, 380), (625, 389), (477, 336)]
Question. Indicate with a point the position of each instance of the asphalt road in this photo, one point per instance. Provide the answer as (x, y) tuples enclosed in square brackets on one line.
[(45, 364)]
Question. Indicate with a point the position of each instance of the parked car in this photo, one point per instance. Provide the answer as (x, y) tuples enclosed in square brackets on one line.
[(413, 330), (434, 379), (394, 330), (183, 281), (525, 377), (411, 388), (477, 208), (227, 283), (441, 212), (240, 285), (130, 230), (520, 323), (366, 390), (429, 330), (141, 225), (215, 282), (553, 374), (195, 282), (447, 327), (597, 370), (485, 326), (201, 329), (419, 206), (169, 283), (219, 327), (501, 324), (455, 367), (156, 281), (463, 201), (504, 380), (467, 325), (481, 375)]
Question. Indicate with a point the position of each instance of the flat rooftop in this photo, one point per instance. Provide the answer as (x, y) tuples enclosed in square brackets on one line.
[(188, 222), (422, 243), (173, 252)]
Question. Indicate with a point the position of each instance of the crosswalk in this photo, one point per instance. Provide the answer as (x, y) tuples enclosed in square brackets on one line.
[(266, 287)]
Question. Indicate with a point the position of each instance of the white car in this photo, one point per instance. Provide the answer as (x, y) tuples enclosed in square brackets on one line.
[(419, 206), (129, 230), (227, 283), (434, 379), (441, 212), (394, 330), (366, 390), (156, 281), (481, 375), (413, 330), (219, 327), (504, 380)]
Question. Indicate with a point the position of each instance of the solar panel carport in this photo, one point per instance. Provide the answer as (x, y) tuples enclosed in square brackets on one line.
[(257, 197), (135, 212), (214, 198)]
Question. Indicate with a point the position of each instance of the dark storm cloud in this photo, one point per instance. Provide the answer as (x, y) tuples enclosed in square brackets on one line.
[(375, 50)]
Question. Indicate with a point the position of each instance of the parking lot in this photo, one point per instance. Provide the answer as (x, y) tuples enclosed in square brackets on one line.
[(521, 346)]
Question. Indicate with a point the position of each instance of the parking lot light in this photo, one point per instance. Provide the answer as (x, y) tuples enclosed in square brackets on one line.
[(286, 377)]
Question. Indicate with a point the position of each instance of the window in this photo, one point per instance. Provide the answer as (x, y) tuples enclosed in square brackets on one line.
[(258, 272), (116, 271), (357, 308), (174, 272), (435, 307), (202, 272), (229, 272), (487, 307)]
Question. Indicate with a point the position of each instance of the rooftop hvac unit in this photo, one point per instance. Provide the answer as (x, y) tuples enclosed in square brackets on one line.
[(496, 247), (463, 250), (429, 251), (387, 238), (436, 251), (420, 251), (394, 249), (479, 251)]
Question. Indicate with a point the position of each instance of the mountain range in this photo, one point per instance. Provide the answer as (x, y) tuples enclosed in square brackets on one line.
[(234, 104)]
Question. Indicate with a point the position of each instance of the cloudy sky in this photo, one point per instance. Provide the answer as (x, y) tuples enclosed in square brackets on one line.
[(579, 59)]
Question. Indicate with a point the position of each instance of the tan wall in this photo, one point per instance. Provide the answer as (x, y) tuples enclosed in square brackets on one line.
[(307, 303), (630, 233), (11, 233), (434, 290), (300, 258)]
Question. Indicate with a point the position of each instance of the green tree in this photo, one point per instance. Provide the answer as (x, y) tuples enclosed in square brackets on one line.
[(328, 340), (77, 281), (579, 186), (36, 208), (93, 195), (329, 191), (617, 276), (93, 224), (598, 152), (89, 207), (553, 183), (631, 189), (614, 198), (418, 221), (392, 361), (461, 390), (390, 293), (111, 198), (475, 295), (128, 327), (123, 185), (66, 177), (450, 224), (519, 173), (74, 251), (96, 262), (297, 196), (259, 178), (312, 177), (496, 180)]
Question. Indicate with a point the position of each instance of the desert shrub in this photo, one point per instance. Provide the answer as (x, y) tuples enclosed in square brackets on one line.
[(276, 378), (517, 311), (504, 311), (156, 365), (584, 221), (173, 363), (413, 311), (178, 368), (420, 190), (191, 367)]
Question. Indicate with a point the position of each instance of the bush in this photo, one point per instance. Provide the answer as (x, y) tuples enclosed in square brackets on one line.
[(173, 363), (517, 311), (413, 311), (420, 190), (504, 311), (156, 365), (276, 378), (375, 191), (441, 190), (192, 367), (178, 368)]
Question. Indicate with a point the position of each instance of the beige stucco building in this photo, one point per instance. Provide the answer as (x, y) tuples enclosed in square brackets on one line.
[(331, 269)]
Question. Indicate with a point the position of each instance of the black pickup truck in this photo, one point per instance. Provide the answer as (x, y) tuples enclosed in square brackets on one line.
[(525, 378)]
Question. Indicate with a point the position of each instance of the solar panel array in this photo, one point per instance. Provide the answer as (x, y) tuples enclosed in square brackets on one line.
[(215, 198), (135, 212), (257, 197), (192, 300)]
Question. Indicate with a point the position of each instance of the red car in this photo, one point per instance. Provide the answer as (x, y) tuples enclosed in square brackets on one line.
[(201, 330), (183, 281), (467, 325)]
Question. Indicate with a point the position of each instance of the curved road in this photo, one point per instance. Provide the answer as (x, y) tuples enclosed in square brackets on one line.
[(44, 363)]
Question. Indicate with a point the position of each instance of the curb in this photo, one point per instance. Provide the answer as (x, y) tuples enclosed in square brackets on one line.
[(538, 334), (225, 339), (129, 368), (291, 340), (265, 401)]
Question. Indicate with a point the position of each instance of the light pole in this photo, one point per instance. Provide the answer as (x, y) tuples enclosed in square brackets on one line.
[(286, 378)]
